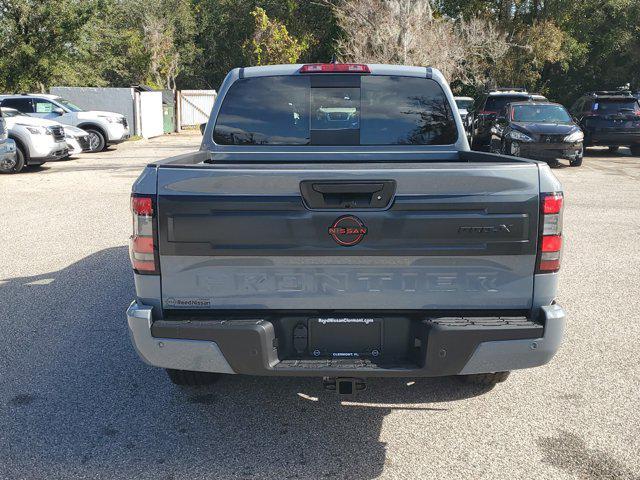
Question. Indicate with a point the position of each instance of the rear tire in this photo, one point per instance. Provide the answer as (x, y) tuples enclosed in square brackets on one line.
[(554, 163), (613, 148), (14, 166), (97, 142), (485, 379), (192, 379), (635, 150)]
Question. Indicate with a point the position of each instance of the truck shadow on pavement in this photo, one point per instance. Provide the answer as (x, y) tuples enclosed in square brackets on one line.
[(77, 402)]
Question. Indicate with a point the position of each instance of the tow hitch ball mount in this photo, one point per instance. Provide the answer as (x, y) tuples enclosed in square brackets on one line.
[(345, 387)]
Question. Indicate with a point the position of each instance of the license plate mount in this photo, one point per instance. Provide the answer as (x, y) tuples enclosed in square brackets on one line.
[(346, 337)]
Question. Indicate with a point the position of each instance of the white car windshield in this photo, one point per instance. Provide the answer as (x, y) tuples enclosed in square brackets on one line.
[(68, 105)]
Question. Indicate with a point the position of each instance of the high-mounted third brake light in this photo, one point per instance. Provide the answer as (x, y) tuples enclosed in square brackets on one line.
[(142, 247), (550, 241), (335, 68)]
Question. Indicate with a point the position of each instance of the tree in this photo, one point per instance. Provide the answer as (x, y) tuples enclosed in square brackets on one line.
[(485, 46), (37, 39), (167, 28), (111, 50), (397, 31), (226, 25), (271, 43), (557, 47), (535, 47), (408, 32), (164, 60)]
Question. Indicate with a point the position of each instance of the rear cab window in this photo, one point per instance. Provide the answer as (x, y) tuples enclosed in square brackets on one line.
[(333, 110), (495, 103), (606, 106), (464, 104)]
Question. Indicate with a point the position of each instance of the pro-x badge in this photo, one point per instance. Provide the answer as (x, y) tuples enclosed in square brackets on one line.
[(348, 230)]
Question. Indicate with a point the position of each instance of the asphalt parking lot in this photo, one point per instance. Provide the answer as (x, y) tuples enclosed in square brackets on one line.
[(76, 402)]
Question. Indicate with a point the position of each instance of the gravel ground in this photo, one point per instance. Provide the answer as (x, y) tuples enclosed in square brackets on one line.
[(76, 402)]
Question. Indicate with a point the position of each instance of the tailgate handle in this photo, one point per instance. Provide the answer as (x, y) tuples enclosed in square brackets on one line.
[(354, 188), (337, 195)]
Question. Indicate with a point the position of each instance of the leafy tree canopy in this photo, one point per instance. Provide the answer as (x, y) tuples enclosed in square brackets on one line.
[(556, 47)]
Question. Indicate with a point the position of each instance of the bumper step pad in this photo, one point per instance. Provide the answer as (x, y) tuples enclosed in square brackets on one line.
[(453, 340), (486, 322)]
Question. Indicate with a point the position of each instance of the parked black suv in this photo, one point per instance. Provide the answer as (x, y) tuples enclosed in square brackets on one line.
[(489, 107), (609, 118), (540, 130)]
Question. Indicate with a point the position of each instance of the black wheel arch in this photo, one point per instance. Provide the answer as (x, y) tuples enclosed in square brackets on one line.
[(94, 126), (20, 144)]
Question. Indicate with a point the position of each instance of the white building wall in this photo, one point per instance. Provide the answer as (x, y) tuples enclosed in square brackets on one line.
[(151, 120)]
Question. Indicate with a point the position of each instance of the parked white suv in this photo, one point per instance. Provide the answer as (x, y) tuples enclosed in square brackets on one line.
[(37, 140), (104, 128)]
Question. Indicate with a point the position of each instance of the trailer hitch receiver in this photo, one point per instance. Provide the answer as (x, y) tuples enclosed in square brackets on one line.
[(345, 387)]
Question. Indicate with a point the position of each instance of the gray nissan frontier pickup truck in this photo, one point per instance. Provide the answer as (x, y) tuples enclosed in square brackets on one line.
[(335, 224)]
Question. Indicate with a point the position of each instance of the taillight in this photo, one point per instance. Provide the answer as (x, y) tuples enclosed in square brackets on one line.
[(142, 246), (550, 243), (552, 203), (335, 68)]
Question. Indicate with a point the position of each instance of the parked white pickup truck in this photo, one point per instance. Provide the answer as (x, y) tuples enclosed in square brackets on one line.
[(104, 128)]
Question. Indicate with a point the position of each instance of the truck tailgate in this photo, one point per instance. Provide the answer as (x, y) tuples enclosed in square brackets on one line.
[(441, 236)]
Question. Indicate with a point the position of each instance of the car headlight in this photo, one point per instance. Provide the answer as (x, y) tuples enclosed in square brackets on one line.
[(112, 119), (574, 137), (37, 130), (519, 136)]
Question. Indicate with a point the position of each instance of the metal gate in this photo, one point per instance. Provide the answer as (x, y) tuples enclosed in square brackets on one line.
[(194, 106)]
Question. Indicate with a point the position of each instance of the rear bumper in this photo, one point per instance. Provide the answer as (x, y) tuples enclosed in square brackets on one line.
[(447, 347), (612, 138)]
